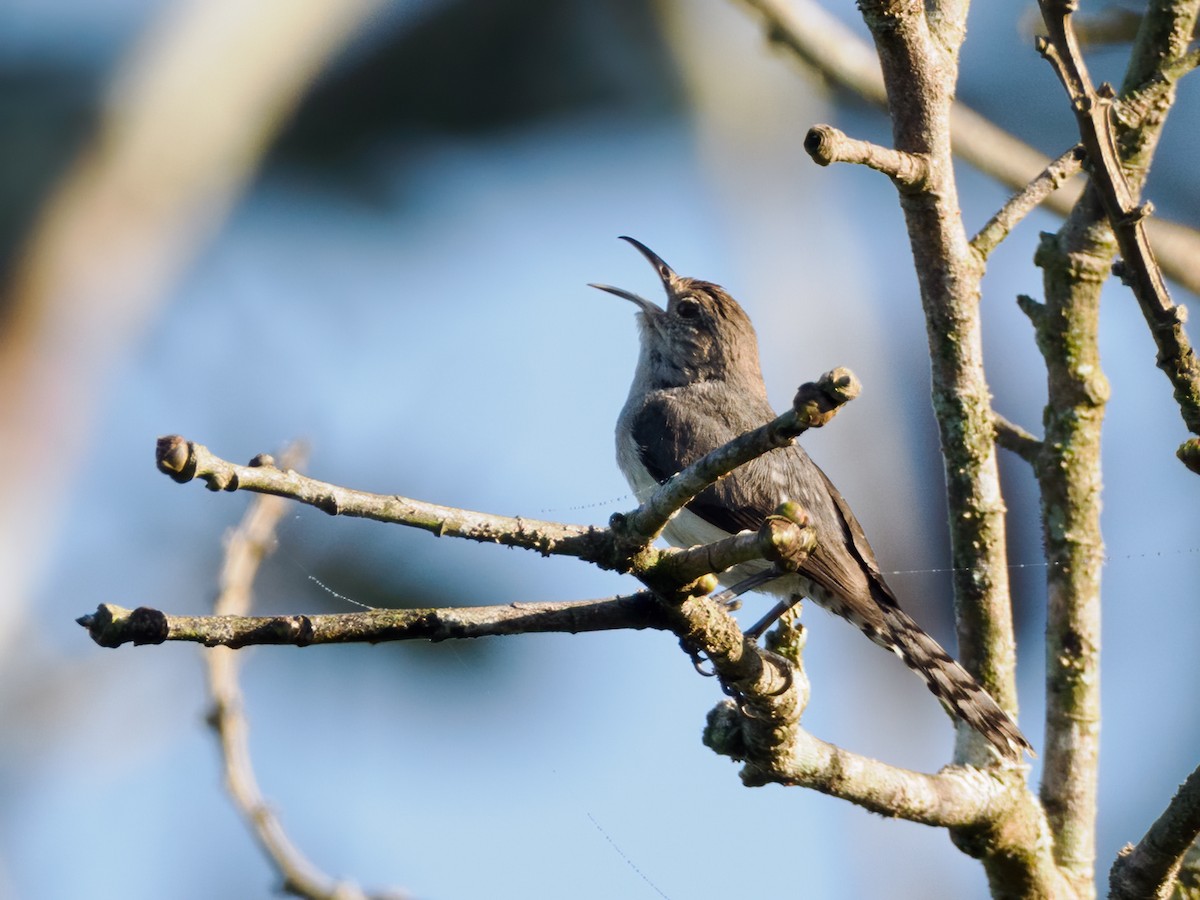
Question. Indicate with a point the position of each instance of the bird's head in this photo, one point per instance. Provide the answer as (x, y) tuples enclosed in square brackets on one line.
[(701, 335)]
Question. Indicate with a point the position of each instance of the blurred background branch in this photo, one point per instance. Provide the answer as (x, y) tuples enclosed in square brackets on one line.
[(245, 547), (184, 125)]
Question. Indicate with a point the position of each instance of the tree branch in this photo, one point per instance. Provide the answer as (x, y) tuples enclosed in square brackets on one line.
[(1139, 268), (990, 812), (1075, 263), (920, 74), (763, 727), (1068, 470), (957, 797), (772, 692), (1026, 201), (185, 460), (1149, 869), (784, 539), (1016, 439), (113, 626), (624, 548)]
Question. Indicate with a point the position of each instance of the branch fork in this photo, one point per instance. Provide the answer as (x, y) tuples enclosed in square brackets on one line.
[(771, 689), (1094, 113)]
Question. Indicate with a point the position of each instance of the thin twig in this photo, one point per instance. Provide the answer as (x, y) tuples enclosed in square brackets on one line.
[(185, 460), (1015, 439), (783, 539), (770, 689), (779, 540), (1026, 200), (1142, 100)]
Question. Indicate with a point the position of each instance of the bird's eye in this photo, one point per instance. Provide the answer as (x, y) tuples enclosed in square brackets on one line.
[(687, 308)]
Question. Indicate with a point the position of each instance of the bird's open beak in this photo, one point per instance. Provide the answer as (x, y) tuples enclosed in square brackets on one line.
[(665, 272), (650, 309)]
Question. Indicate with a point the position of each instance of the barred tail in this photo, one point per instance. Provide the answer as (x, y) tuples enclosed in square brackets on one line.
[(963, 696)]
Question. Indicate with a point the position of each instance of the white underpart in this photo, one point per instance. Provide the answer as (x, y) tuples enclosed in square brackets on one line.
[(686, 529)]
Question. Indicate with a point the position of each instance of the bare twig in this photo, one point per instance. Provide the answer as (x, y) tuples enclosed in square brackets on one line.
[(956, 797), (1015, 439), (664, 570), (783, 539), (246, 547), (1027, 200), (185, 460), (826, 145), (1143, 97), (1149, 869), (113, 626), (625, 547), (772, 692)]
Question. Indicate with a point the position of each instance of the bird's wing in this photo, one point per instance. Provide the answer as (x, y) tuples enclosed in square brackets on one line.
[(670, 435)]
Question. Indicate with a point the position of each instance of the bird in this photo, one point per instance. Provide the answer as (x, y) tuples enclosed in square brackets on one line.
[(698, 385)]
